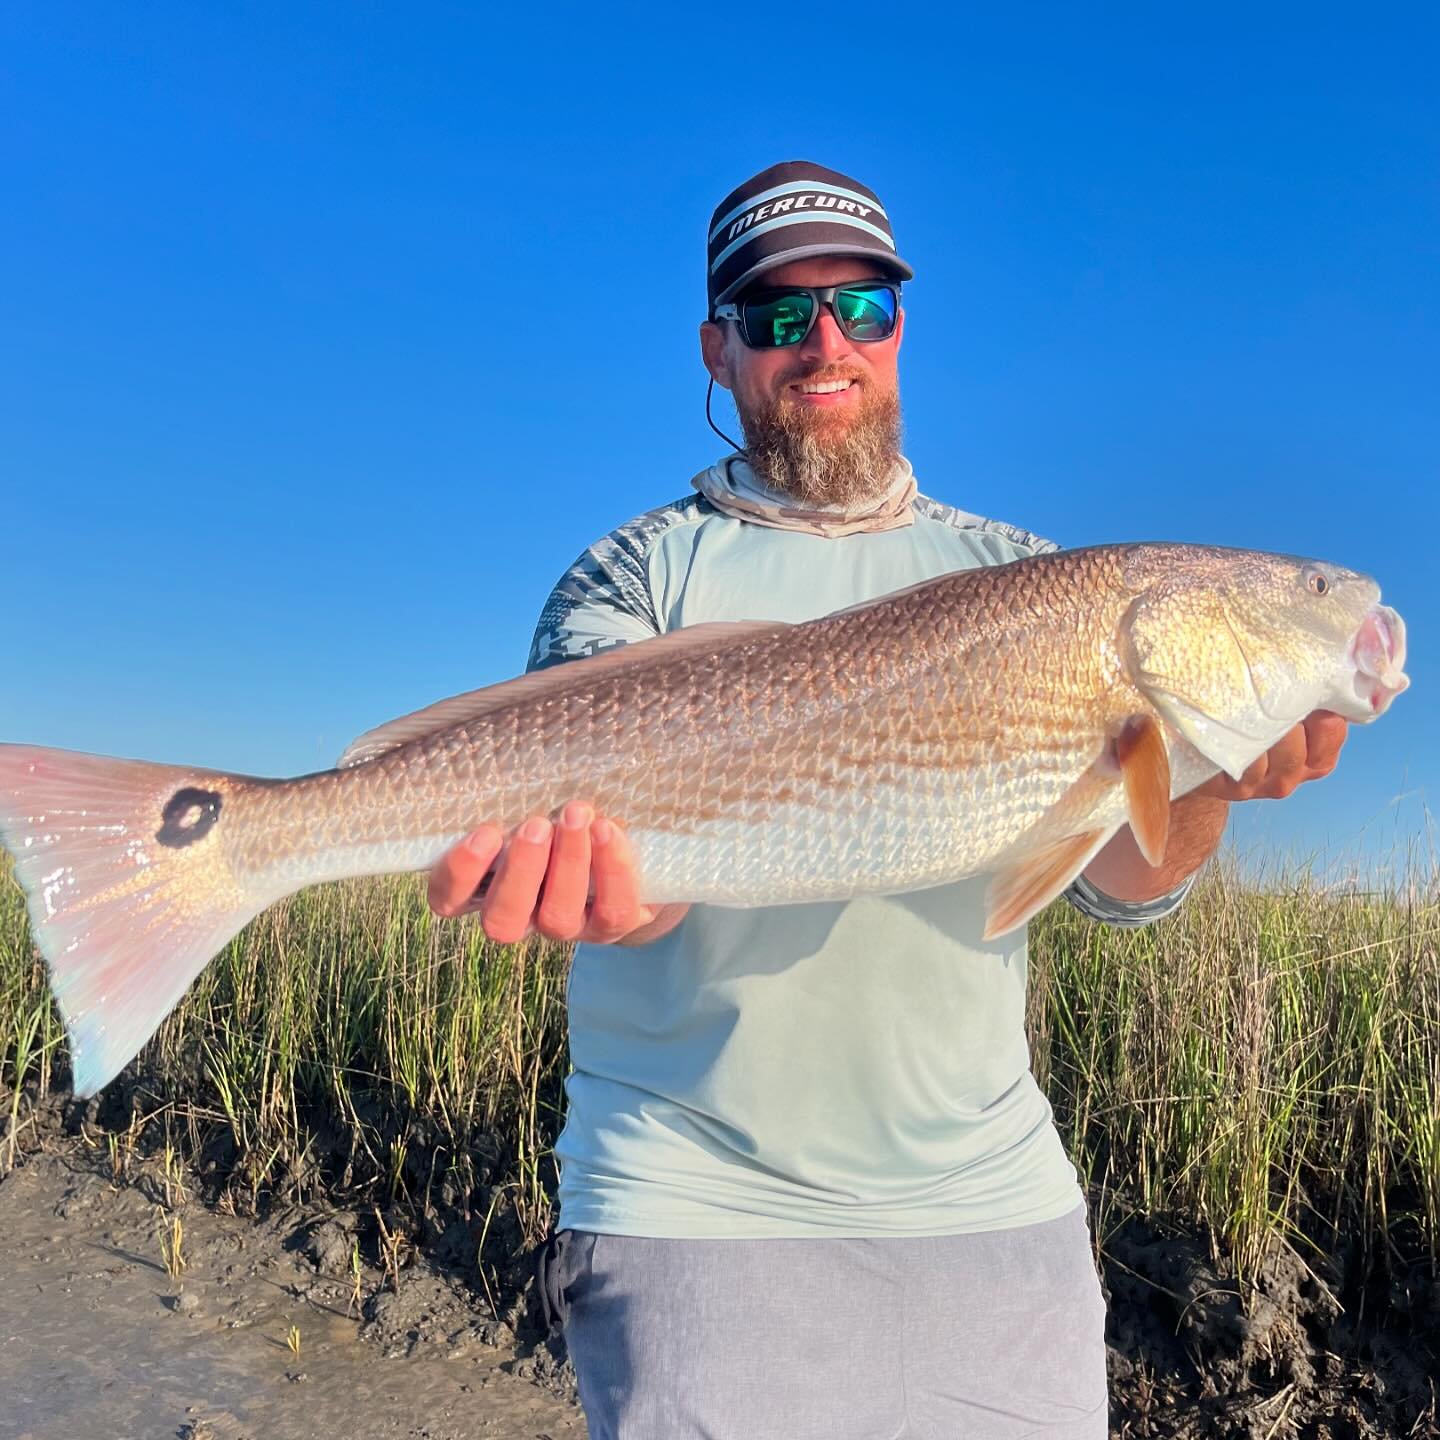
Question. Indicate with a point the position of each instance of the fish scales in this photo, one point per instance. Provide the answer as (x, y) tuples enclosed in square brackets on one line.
[(1006, 721), (871, 720)]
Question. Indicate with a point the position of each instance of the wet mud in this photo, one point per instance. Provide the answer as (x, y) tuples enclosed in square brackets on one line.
[(357, 1322), (265, 1332), (1342, 1345)]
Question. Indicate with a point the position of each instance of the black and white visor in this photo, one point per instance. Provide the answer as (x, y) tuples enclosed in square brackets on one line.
[(794, 211)]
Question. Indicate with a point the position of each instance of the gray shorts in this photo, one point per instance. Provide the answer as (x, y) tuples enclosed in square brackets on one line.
[(1000, 1334)]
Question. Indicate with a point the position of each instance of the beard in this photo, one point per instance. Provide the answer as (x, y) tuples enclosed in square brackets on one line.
[(820, 457)]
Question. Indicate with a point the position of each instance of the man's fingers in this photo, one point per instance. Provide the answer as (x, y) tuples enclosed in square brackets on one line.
[(506, 910), (1325, 733), (561, 915), (1255, 774), (1287, 767), (573, 880), (457, 875), (1307, 751), (616, 909), (1222, 787)]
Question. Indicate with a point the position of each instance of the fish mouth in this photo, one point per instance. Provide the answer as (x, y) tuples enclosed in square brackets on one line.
[(1378, 654)]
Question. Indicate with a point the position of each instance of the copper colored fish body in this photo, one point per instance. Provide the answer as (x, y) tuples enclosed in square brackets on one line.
[(1003, 721)]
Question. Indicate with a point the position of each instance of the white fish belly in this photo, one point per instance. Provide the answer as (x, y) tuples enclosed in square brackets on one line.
[(877, 842), (880, 839)]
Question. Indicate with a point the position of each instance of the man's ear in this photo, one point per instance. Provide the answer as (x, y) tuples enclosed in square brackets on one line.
[(712, 352)]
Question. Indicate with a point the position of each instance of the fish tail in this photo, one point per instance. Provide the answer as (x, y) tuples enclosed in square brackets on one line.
[(129, 887)]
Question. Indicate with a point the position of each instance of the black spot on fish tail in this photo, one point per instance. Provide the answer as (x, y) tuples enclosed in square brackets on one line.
[(188, 816)]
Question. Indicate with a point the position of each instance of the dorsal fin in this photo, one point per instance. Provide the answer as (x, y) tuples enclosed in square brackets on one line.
[(887, 595), (714, 636)]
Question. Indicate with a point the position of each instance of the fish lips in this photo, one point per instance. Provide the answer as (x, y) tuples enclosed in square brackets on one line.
[(1378, 655)]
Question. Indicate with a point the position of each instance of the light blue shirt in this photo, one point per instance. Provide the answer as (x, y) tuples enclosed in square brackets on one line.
[(857, 1068)]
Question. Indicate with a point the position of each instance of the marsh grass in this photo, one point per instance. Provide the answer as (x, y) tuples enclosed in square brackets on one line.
[(1262, 1064), (30, 1031)]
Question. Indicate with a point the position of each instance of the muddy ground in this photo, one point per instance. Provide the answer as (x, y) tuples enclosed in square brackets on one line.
[(97, 1339), (300, 1323)]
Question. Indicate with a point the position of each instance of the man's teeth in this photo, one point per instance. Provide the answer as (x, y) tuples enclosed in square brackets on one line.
[(827, 387)]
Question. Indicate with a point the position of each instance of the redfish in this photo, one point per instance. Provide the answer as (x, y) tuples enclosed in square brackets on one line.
[(1003, 721)]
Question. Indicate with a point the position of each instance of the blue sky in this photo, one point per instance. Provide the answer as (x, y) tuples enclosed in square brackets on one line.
[(332, 333)]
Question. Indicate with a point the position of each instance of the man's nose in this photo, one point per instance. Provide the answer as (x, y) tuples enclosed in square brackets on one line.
[(826, 340)]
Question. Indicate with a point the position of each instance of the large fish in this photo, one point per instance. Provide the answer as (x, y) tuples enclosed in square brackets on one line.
[(1004, 720)]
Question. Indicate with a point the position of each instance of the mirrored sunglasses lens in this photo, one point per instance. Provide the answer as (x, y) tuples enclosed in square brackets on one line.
[(866, 314), (779, 321)]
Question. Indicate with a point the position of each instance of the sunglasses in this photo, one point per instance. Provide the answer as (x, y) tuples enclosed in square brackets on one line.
[(769, 319)]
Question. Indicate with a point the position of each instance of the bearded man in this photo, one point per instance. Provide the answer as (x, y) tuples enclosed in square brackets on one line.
[(809, 1186)]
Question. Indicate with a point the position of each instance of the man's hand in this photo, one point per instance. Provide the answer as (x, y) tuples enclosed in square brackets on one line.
[(1308, 752), (571, 881), (1197, 820)]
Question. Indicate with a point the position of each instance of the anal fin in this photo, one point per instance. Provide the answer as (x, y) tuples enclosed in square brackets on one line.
[(1027, 886)]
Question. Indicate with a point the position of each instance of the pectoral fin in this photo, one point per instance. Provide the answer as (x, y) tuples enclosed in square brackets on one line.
[(1033, 881), (1145, 766)]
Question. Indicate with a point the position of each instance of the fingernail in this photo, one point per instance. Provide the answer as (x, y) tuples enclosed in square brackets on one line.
[(576, 815), (603, 832), (535, 829), (481, 840)]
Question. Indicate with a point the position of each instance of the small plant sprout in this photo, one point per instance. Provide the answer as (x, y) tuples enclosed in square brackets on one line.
[(392, 1246), (355, 1276), (292, 1340), (175, 1192), (172, 1247)]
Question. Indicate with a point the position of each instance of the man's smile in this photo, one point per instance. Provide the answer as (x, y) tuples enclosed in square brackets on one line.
[(824, 393)]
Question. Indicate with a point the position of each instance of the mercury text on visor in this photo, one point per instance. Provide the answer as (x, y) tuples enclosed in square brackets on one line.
[(796, 202)]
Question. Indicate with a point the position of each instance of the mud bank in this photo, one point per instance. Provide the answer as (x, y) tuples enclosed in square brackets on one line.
[(1343, 1346), (359, 1322), (264, 1333)]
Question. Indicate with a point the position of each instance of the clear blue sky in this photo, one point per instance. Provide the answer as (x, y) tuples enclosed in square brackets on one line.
[(331, 333)]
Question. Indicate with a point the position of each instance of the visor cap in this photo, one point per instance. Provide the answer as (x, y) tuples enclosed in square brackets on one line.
[(794, 211)]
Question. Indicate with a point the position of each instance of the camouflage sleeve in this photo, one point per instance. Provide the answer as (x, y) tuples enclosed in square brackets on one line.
[(601, 601), (1022, 542), (605, 598), (1001, 541)]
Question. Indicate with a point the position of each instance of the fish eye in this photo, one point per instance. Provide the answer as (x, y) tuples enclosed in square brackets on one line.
[(1317, 580)]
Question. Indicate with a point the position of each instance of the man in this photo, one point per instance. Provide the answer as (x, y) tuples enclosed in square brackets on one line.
[(808, 1184)]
